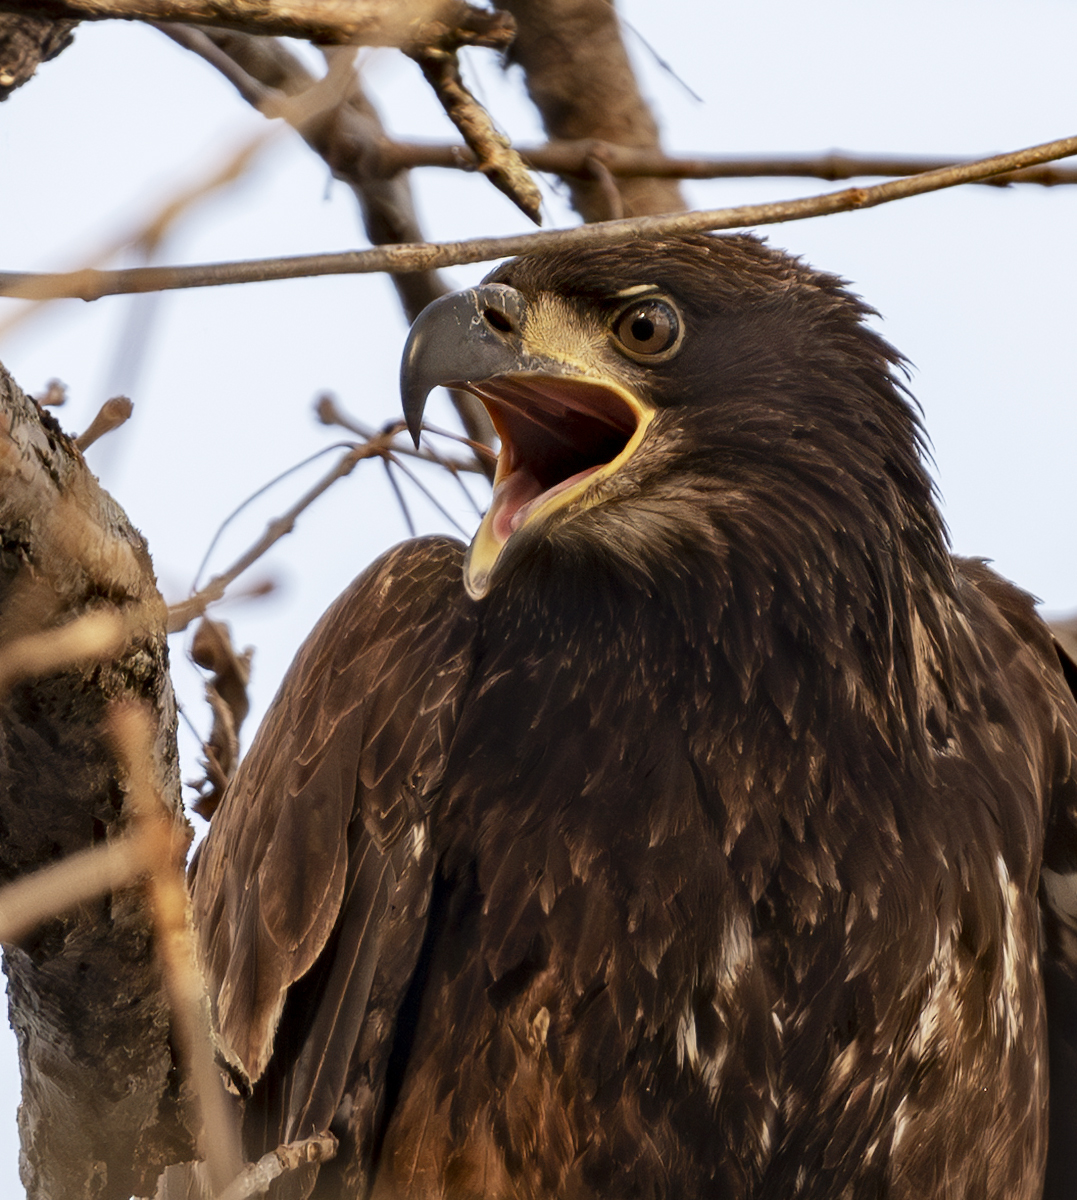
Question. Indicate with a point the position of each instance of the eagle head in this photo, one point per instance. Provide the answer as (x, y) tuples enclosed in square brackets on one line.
[(655, 397)]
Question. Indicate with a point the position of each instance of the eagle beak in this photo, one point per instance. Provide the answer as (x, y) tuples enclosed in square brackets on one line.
[(464, 337), (564, 425)]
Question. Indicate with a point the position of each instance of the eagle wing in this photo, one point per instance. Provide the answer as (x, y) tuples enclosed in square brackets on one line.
[(1058, 886), (311, 891), (1058, 900)]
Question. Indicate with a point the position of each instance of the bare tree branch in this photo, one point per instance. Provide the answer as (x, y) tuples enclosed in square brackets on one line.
[(92, 284), (149, 232), (581, 80), (493, 154), (332, 22), (577, 159), (329, 413), (54, 395), (376, 445), (155, 847)]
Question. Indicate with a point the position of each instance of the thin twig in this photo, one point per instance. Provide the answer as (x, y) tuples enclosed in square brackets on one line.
[(604, 178), (663, 64), (229, 674), (470, 498), (625, 162), (90, 285), (428, 494), (180, 615), (386, 463), (375, 445), (132, 734), (249, 500), (54, 395), (330, 414), (480, 448)]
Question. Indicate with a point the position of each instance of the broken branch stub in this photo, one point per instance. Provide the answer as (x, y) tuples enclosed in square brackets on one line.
[(101, 1111), (494, 155)]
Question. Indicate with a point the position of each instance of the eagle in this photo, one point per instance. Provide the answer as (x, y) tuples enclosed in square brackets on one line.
[(705, 829)]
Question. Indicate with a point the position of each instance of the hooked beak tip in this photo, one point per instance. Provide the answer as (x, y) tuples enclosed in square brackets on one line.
[(472, 334)]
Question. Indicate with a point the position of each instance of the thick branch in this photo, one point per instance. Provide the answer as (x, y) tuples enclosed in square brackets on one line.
[(332, 22), (90, 285), (99, 1113), (580, 78)]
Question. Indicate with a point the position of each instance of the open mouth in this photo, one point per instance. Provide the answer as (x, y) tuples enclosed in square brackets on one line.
[(556, 432)]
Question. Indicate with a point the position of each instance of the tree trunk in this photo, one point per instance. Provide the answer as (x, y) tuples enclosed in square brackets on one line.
[(100, 1111)]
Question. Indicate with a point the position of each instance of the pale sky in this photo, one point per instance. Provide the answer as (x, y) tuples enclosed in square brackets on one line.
[(976, 287)]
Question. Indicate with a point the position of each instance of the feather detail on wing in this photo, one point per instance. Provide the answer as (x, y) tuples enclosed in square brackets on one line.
[(1058, 899), (1058, 881), (319, 855)]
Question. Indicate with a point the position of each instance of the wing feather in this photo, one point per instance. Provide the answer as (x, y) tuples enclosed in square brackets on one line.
[(1058, 883), (317, 859)]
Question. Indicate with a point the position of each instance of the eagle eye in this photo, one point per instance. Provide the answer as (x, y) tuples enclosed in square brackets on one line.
[(648, 330)]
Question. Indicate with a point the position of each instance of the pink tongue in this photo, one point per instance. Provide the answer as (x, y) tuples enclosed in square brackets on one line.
[(511, 495)]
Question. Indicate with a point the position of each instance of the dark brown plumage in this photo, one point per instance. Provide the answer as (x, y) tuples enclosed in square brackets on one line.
[(716, 840)]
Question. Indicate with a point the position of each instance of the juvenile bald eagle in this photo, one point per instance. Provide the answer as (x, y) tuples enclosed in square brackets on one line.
[(705, 829)]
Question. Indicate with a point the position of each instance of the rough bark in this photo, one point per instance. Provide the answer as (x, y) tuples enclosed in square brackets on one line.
[(580, 79), (26, 41), (100, 1111)]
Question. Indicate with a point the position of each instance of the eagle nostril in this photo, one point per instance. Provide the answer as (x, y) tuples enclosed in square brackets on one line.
[(498, 320)]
